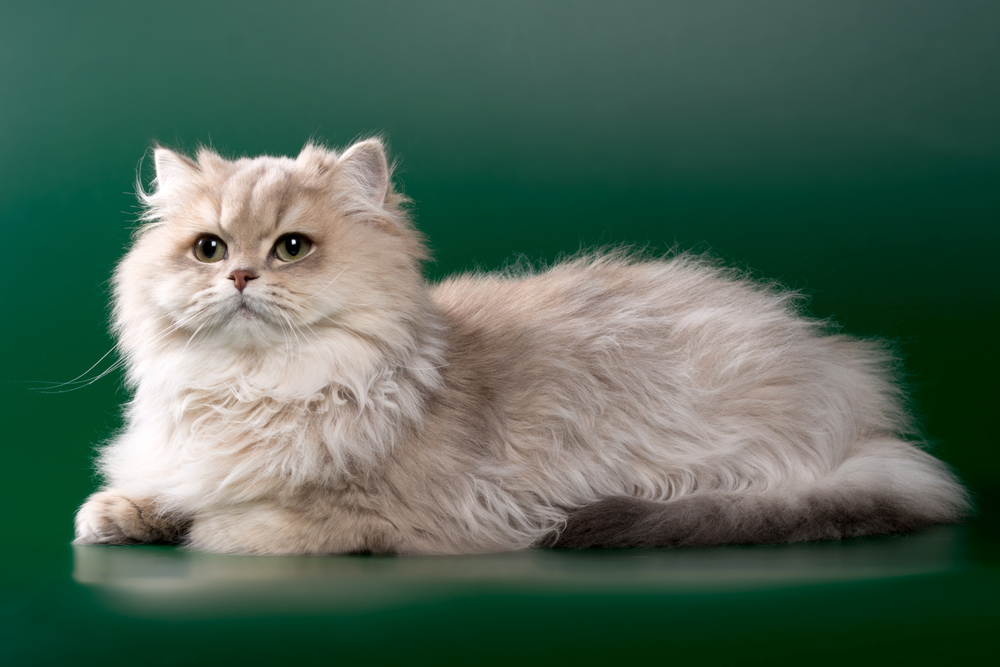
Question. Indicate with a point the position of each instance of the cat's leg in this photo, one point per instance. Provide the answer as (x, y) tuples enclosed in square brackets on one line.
[(268, 528), (110, 517), (885, 486)]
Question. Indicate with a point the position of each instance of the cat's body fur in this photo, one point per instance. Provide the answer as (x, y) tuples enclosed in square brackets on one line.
[(348, 406)]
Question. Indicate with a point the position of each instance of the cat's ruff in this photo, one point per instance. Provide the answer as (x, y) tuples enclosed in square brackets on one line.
[(321, 397)]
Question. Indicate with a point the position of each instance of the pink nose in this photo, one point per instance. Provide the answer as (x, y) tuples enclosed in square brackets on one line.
[(241, 278)]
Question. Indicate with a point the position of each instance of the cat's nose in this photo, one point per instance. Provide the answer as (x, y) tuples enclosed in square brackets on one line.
[(241, 278)]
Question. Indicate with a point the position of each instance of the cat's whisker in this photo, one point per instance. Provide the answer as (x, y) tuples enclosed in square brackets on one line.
[(315, 335), (323, 288), (336, 323), (358, 305), (78, 377), (346, 328), (291, 328), (304, 337), (82, 381), (284, 338), (320, 313), (177, 325), (52, 390), (200, 327), (290, 351), (293, 346), (339, 302)]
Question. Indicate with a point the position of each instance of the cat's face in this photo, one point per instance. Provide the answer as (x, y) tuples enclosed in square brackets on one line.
[(266, 252)]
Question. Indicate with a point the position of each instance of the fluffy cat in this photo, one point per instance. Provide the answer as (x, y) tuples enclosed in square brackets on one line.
[(300, 388)]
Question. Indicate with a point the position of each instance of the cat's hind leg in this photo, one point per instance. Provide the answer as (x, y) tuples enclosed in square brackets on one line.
[(885, 486), (109, 517)]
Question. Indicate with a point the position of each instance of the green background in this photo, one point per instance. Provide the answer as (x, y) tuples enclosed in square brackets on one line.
[(849, 149)]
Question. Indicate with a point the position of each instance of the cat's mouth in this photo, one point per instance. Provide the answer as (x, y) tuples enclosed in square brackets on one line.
[(245, 314), (244, 309)]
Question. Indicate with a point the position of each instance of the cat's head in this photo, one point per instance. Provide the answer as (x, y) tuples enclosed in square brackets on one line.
[(262, 257)]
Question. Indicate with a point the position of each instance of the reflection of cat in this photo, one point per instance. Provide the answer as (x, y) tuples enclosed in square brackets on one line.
[(299, 388)]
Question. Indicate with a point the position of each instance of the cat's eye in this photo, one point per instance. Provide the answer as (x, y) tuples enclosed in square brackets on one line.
[(209, 248), (292, 247)]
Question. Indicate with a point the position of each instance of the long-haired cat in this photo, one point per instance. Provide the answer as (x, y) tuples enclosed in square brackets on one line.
[(300, 388)]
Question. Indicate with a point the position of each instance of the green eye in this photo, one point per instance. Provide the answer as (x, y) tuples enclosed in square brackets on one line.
[(209, 248), (292, 247)]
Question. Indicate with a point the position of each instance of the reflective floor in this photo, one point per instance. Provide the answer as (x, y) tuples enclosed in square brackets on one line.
[(928, 596), (165, 583)]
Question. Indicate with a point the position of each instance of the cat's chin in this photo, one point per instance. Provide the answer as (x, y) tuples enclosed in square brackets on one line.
[(245, 323), (250, 336), (245, 318), (246, 330)]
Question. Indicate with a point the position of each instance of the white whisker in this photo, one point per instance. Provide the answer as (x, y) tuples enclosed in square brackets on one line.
[(81, 381), (329, 283)]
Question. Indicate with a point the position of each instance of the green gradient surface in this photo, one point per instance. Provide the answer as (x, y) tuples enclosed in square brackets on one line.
[(849, 149)]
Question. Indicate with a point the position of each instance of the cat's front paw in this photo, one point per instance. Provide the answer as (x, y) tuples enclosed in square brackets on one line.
[(108, 517)]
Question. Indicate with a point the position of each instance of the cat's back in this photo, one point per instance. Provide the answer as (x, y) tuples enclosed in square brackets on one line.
[(682, 329), (617, 294)]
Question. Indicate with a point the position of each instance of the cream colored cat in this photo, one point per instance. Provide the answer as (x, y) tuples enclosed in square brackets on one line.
[(300, 388)]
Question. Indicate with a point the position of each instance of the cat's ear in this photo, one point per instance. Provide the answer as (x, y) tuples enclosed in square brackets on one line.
[(366, 169), (172, 168)]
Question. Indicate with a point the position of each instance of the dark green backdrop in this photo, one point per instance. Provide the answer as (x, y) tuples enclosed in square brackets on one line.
[(851, 149)]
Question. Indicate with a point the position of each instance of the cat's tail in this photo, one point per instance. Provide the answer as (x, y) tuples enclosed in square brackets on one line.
[(888, 486)]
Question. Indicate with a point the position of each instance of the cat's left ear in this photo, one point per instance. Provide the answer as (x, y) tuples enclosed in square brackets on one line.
[(365, 167), (172, 168)]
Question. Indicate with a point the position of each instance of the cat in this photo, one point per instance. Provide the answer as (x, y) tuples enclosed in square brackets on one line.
[(299, 388)]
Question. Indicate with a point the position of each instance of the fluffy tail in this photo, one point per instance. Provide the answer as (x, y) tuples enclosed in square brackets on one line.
[(887, 486)]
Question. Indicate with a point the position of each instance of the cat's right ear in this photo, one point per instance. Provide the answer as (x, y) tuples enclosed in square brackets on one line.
[(365, 168), (173, 169)]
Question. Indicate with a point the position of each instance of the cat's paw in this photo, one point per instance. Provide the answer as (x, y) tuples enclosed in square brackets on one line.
[(108, 517)]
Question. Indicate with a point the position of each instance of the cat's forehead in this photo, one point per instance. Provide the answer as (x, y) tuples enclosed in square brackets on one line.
[(259, 195)]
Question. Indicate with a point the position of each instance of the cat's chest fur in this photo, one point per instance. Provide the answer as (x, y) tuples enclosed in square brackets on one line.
[(238, 443)]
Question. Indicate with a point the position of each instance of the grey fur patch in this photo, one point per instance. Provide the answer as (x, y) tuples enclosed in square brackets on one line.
[(717, 519)]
